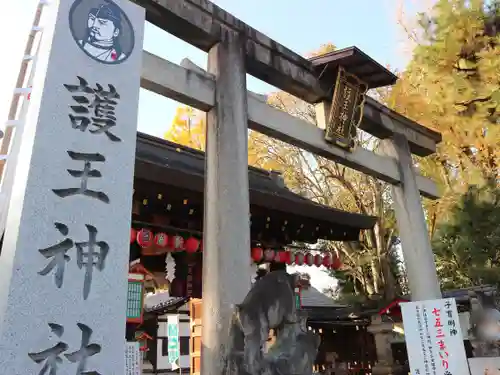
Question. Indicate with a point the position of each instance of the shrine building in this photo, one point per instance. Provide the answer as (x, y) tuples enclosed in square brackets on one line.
[(166, 241)]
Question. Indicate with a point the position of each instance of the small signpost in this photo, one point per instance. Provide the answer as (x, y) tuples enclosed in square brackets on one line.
[(298, 302), (135, 298), (434, 338), (173, 342), (133, 359), (346, 110)]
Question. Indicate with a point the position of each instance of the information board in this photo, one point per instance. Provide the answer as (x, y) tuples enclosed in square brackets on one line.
[(132, 358), (434, 338), (135, 299)]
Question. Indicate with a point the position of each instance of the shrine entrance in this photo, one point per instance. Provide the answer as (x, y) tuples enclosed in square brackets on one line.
[(67, 203)]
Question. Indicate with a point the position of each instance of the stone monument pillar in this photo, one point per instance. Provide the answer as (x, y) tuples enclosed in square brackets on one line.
[(64, 261)]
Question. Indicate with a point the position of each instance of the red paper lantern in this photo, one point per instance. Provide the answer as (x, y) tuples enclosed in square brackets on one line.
[(257, 254), (176, 243), (145, 238), (161, 239), (133, 235), (281, 257), (287, 257), (269, 255), (327, 260), (318, 260), (191, 245), (299, 259), (336, 263), (309, 259)]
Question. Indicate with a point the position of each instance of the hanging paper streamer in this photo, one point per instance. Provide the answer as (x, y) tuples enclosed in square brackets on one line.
[(169, 267)]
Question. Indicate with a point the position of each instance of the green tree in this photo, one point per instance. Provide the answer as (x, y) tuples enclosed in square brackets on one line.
[(452, 84), (467, 247)]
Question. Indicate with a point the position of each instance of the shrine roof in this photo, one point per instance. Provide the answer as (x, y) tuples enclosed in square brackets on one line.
[(162, 303), (355, 62), (312, 297), (166, 163), (339, 314)]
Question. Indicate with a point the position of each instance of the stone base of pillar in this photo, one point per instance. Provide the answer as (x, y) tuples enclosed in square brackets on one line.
[(386, 369), (382, 332)]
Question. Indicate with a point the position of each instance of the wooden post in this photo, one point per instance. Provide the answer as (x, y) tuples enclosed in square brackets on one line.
[(417, 250), (196, 324), (322, 110), (226, 254)]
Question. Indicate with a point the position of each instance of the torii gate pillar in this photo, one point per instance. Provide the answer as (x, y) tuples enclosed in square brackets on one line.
[(226, 255), (417, 251)]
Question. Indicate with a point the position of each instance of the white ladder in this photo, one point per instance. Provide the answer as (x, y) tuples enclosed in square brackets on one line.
[(17, 115)]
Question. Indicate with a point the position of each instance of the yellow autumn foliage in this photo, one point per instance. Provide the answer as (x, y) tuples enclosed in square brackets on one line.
[(323, 49), (188, 129), (189, 125)]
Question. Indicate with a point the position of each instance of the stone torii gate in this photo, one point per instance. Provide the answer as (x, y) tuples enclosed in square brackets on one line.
[(234, 49)]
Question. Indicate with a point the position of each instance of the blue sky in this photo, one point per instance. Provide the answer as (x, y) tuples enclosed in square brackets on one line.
[(299, 25), (368, 24)]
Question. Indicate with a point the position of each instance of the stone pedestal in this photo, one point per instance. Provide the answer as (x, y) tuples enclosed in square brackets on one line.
[(484, 365), (382, 333)]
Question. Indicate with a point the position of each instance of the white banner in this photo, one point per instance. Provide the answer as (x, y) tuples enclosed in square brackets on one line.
[(173, 341), (133, 358), (434, 338)]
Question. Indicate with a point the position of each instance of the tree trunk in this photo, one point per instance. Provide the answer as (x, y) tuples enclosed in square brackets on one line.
[(367, 286), (390, 287), (377, 284), (355, 286)]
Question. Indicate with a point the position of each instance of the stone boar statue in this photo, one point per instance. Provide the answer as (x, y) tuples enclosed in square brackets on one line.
[(270, 305), (294, 350)]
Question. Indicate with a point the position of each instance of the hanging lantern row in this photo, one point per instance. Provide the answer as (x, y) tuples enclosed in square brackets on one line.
[(299, 258), (145, 238)]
